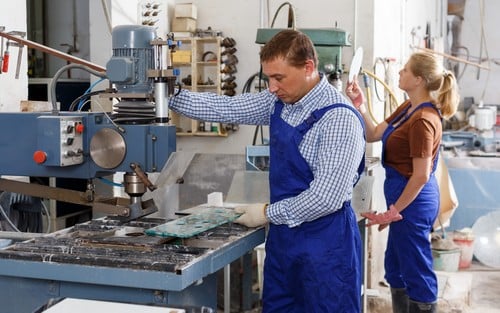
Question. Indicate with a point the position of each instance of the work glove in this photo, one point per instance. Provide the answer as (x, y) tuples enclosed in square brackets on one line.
[(254, 215), (392, 215)]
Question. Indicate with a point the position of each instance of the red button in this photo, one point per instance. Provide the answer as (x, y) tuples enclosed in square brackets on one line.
[(39, 157), (79, 128)]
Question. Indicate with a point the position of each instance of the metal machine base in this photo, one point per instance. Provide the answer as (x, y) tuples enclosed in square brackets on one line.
[(107, 260)]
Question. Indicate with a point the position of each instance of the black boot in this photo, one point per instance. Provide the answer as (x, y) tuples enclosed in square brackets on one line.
[(419, 307), (399, 300)]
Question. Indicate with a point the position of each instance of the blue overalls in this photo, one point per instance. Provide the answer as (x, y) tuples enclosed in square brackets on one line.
[(408, 257), (314, 267)]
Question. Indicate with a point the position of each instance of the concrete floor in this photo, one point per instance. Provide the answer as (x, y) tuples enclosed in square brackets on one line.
[(485, 289), (473, 290)]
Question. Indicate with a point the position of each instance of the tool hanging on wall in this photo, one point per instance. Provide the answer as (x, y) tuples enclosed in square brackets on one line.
[(20, 52), (5, 59), (6, 53), (2, 28)]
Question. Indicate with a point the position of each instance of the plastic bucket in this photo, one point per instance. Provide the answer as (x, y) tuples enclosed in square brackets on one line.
[(446, 260), (465, 240)]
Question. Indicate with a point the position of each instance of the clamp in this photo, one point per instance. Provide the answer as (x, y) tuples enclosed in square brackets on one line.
[(19, 54), (2, 29), (5, 55)]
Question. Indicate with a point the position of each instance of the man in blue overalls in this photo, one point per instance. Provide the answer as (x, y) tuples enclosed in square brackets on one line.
[(313, 247)]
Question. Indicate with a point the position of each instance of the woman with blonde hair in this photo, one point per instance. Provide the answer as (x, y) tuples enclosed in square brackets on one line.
[(411, 137)]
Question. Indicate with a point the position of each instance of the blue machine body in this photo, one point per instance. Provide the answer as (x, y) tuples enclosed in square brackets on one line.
[(148, 145)]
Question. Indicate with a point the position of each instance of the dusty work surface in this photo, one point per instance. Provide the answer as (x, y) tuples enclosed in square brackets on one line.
[(111, 243)]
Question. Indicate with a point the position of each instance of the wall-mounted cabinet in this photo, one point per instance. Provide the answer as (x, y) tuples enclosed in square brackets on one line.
[(199, 62)]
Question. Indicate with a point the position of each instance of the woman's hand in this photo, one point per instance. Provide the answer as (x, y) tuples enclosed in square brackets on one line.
[(355, 94), (389, 216)]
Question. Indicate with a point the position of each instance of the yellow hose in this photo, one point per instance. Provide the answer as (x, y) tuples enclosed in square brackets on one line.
[(392, 97), (369, 105)]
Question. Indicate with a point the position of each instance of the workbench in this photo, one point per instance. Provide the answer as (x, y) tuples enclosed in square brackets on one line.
[(108, 260)]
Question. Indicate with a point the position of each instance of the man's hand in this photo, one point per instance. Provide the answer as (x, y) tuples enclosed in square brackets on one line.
[(254, 215), (392, 215)]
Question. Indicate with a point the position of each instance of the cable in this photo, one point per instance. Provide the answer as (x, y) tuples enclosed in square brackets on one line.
[(85, 95), (369, 97), (121, 129), (467, 57), (53, 82), (6, 216), (80, 105), (483, 43), (393, 101), (379, 60), (49, 226), (110, 182), (106, 15), (247, 88), (291, 15)]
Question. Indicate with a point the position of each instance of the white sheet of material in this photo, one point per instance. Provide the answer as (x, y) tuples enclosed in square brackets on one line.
[(86, 306)]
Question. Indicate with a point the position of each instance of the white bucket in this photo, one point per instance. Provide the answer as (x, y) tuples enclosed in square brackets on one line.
[(446, 260)]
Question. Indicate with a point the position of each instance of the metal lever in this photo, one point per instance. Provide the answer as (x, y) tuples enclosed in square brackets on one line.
[(142, 176)]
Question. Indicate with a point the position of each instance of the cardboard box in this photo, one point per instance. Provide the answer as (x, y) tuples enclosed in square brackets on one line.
[(186, 10), (184, 24), (181, 56)]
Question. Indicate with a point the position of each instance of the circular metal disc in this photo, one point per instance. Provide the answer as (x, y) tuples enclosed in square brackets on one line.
[(107, 148)]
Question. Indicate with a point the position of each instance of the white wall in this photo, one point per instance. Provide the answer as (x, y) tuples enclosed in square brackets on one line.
[(75, 32), (384, 28), (479, 83), (240, 19), (12, 91)]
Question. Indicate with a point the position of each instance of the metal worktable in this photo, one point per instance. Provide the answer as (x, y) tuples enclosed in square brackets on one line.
[(108, 260)]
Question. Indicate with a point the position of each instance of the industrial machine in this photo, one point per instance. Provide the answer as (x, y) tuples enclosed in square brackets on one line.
[(135, 138), (481, 138), (472, 156), (110, 258)]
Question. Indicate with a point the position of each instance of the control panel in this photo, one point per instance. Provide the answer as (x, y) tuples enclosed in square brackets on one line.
[(60, 141)]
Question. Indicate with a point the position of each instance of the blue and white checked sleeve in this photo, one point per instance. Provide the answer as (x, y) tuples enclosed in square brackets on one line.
[(246, 109)]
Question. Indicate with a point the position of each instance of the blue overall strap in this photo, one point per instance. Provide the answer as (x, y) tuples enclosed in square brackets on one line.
[(318, 114)]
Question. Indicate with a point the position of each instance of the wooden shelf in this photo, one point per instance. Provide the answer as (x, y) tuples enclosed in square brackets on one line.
[(200, 71)]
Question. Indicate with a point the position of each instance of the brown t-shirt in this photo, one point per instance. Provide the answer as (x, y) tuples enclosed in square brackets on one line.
[(418, 137)]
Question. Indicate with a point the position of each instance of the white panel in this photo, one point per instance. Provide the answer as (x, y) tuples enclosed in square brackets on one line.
[(85, 306), (12, 90)]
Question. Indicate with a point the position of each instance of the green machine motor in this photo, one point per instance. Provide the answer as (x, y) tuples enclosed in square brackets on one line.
[(328, 43)]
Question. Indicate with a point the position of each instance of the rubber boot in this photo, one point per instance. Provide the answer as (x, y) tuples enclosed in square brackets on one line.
[(422, 307), (399, 300)]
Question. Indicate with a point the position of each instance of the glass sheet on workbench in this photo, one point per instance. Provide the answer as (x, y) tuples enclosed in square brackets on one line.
[(197, 222)]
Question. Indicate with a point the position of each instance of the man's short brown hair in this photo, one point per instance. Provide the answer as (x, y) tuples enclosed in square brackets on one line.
[(292, 45)]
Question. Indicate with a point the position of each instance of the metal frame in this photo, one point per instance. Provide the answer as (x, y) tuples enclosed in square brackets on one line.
[(27, 285)]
